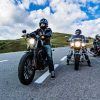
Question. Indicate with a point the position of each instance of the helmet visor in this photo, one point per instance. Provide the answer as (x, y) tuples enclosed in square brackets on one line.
[(42, 25), (97, 36), (77, 32)]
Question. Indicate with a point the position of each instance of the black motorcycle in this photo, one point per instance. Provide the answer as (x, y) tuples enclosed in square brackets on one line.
[(96, 51), (34, 59), (78, 47)]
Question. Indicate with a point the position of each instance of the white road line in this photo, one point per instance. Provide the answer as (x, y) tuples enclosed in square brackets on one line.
[(3, 60), (62, 59), (45, 75)]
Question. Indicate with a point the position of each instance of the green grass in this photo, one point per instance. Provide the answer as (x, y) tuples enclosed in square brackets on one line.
[(58, 40), (12, 45), (90, 42)]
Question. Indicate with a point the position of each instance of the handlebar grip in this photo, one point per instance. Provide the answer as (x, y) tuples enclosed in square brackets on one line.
[(25, 35)]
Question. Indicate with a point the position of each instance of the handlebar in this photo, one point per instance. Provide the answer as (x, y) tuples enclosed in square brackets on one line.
[(25, 34)]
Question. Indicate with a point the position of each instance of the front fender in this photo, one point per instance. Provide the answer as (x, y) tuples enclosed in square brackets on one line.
[(77, 56)]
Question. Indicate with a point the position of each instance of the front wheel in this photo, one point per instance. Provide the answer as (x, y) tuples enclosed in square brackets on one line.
[(77, 60), (67, 62), (26, 71)]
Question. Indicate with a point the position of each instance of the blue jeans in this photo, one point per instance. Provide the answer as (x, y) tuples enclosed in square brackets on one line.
[(49, 57)]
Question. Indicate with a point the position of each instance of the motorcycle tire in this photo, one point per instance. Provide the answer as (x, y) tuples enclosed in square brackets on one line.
[(76, 67), (67, 62), (21, 70)]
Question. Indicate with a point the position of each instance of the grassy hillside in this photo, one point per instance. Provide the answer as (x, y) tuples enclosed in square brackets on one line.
[(12, 45), (58, 40)]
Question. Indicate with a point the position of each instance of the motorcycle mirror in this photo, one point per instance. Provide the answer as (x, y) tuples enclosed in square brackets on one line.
[(24, 31)]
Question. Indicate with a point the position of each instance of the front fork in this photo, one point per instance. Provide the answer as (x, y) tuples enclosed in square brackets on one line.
[(34, 64)]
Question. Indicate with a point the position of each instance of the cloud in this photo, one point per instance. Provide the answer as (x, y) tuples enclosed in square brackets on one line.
[(89, 28), (39, 2), (61, 19), (26, 3), (92, 10), (13, 32), (13, 19), (94, 1), (66, 17), (6, 11)]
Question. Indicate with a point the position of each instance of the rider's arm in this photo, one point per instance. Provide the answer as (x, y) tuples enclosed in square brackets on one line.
[(48, 33), (83, 38), (33, 34), (94, 42)]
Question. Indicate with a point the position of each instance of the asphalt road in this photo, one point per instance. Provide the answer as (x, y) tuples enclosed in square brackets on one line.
[(68, 85)]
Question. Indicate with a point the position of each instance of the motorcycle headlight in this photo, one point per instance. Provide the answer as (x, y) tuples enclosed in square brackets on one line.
[(71, 44), (83, 44), (77, 44), (32, 41)]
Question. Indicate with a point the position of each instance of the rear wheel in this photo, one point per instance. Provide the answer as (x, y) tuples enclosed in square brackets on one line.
[(26, 72)]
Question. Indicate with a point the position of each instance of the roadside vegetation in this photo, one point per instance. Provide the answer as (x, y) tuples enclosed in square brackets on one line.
[(58, 40)]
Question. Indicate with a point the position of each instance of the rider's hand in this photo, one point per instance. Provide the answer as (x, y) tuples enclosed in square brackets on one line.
[(23, 35)]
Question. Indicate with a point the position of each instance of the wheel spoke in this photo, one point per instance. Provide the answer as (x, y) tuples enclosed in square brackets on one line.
[(28, 69)]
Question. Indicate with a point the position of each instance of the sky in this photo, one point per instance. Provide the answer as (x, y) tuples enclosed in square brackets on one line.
[(64, 16)]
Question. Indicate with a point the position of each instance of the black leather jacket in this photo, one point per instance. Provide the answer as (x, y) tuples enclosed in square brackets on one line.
[(78, 36), (46, 32)]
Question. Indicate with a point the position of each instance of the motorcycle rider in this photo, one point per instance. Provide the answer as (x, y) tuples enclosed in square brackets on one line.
[(47, 33), (78, 33), (95, 42)]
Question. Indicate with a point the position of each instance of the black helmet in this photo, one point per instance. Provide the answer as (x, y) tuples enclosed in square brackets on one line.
[(78, 32), (43, 23), (97, 36)]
